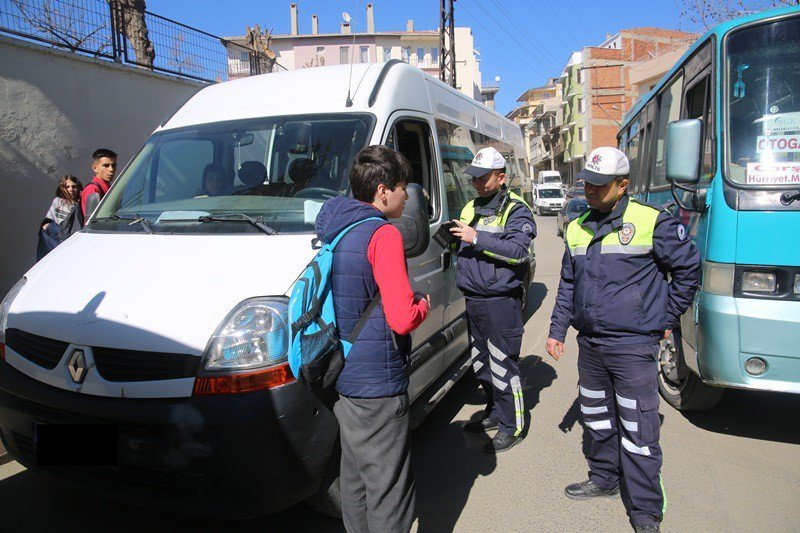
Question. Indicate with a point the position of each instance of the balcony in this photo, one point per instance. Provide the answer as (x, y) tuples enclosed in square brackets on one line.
[(424, 63)]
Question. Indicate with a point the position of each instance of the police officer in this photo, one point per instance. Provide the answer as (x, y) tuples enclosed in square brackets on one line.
[(496, 231), (615, 291)]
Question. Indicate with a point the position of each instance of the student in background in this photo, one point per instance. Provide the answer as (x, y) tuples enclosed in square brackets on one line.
[(104, 165)]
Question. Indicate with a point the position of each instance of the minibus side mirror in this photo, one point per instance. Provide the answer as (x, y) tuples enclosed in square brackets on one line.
[(413, 224), (684, 142)]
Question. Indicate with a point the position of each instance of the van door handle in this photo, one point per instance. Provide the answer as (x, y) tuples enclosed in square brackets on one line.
[(447, 259)]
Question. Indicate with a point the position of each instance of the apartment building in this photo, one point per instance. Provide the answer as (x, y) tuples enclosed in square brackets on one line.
[(538, 113), (416, 47)]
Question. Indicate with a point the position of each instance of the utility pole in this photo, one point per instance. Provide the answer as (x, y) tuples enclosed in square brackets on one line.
[(447, 46)]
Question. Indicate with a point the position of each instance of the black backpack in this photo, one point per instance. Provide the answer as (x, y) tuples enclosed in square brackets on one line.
[(55, 234)]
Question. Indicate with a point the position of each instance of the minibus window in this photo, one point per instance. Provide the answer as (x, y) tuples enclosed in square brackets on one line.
[(412, 139), (457, 150)]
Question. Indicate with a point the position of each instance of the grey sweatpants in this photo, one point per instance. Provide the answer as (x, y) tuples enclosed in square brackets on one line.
[(377, 487)]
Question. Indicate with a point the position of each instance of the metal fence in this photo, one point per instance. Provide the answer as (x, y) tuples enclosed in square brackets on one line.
[(111, 30)]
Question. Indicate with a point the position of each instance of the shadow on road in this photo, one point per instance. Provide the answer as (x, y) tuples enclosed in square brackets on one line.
[(447, 461), (752, 414), (536, 294)]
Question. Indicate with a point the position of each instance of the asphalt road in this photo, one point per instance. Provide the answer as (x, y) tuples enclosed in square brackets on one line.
[(736, 468)]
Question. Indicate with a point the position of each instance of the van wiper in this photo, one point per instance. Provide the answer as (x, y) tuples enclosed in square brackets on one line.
[(136, 220), (239, 217), (787, 198)]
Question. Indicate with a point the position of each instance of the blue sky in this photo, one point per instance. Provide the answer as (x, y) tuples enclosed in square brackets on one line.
[(522, 41)]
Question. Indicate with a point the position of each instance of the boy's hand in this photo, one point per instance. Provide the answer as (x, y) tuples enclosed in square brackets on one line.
[(422, 296), (555, 348), (463, 232)]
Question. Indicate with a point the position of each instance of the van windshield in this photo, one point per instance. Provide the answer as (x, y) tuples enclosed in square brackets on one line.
[(552, 179), (551, 193), (278, 171)]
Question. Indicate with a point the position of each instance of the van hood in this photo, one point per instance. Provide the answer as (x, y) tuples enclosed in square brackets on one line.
[(164, 293)]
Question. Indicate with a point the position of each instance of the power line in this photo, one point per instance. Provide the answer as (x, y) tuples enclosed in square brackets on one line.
[(549, 27), (561, 20), (578, 16), (502, 42), (524, 30)]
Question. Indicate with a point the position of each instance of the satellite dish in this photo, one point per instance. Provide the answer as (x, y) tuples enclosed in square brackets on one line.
[(345, 16), (497, 79)]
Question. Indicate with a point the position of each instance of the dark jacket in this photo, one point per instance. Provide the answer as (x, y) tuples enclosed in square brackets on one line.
[(377, 365), (498, 264), (614, 290)]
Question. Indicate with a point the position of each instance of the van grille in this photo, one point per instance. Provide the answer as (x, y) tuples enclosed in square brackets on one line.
[(39, 350), (133, 365), (113, 364)]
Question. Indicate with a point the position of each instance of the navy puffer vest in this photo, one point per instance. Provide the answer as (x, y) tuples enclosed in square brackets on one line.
[(377, 365)]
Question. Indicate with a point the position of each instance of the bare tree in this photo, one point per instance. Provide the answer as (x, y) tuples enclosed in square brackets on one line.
[(258, 41), (700, 15), (179, 60), (134, 27), (63, 24)]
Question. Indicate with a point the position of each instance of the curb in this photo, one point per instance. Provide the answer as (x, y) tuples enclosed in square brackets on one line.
[(4, 456)]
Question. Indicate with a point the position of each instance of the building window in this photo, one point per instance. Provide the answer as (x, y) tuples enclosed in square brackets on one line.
[(581, 135), (581, 106), (344, 55), (580, 75), (405, 53), (421, 57), (363, 54), (435, 57), (387, 54)]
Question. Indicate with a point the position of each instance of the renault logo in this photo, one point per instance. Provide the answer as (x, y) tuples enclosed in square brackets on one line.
[(77, 366)]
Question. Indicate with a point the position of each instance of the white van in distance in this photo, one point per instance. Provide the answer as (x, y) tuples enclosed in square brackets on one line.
[(173, 342), (549, 177), (548, 198)]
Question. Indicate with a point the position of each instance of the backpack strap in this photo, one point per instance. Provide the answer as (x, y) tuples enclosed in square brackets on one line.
[(362, 320), (348, 228)]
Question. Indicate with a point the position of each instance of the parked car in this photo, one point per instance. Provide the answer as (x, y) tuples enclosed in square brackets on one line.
[(174, 344), (571, 210)]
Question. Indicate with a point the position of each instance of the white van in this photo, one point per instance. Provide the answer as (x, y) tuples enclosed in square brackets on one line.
[(548, 198), (549, 177), (161, 327)]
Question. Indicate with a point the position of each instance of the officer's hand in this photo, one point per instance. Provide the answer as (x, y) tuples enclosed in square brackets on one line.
[(555, 348), (463, 232), (667, 333)]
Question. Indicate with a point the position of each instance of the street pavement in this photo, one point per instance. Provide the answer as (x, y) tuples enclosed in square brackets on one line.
[(736, 468)]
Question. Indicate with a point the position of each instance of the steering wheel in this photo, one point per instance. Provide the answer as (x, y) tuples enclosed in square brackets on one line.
[(313, 192)]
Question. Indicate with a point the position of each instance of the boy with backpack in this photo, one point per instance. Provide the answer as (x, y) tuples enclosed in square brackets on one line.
[(377, 489)]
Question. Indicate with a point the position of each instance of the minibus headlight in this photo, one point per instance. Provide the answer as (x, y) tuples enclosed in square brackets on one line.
[(718, 278), (253, 335), (759, 282), (6, 305)]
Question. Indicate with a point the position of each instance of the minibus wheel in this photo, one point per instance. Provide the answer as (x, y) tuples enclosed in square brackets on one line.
[(678, 385), (328, 499)]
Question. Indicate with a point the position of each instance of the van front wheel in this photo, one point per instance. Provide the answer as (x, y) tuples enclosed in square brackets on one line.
[(678, 385)]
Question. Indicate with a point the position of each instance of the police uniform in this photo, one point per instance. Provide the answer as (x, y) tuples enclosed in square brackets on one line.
[(491, 273), (615, 291)]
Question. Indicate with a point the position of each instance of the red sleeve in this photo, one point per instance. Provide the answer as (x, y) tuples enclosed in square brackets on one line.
[(388, 259)]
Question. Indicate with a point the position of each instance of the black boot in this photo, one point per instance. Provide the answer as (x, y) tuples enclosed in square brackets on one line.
[(586, 490), (479, 426), (501, 442), (646, 528)]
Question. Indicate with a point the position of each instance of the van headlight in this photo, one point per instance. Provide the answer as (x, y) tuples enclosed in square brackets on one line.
[(253, 335), (6, 305)]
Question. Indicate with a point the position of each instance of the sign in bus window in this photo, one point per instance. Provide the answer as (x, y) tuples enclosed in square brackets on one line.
[(764, 106)]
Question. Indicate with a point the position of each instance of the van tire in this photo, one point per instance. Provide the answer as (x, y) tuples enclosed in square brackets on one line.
[(328, 499), (680, 387)]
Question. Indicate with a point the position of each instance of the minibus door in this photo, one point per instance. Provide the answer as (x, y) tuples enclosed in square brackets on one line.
[(410, 134)]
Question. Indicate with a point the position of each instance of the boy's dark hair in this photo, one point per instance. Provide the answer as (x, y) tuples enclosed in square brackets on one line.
[(374, 165), (100, 153)]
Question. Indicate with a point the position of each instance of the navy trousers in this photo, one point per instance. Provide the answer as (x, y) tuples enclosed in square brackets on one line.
[(619, 406), (495, 332)]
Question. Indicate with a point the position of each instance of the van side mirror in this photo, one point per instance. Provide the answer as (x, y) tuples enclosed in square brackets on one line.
[(684, 143), (413, 224)]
